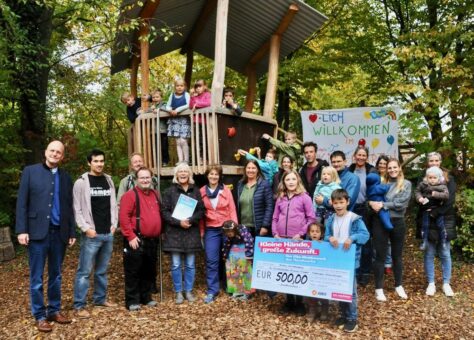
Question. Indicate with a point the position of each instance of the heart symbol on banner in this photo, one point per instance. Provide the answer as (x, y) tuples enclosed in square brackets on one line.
[(313, 117)]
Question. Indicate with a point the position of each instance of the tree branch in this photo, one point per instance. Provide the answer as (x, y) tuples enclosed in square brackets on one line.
[(81, 51)]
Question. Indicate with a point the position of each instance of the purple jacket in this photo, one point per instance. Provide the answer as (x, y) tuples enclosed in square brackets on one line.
[(292, 216)]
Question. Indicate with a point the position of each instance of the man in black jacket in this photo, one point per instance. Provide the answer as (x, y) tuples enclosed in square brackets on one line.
[(311, 171)]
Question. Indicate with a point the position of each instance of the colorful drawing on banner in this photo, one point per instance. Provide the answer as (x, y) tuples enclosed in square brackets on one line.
[(345, 129), (238, 271), (375, 142)]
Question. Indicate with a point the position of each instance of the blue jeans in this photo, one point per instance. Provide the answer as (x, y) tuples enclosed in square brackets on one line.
[(443, 248), (213, 242), (189, 271), (348, 310), (53, 248), (95, 252)]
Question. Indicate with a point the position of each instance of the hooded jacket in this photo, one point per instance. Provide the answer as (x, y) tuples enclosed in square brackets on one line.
[(292, 216), (357, 233)]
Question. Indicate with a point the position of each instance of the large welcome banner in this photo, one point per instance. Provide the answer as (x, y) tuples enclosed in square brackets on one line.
[(306, 268), (344, 129)]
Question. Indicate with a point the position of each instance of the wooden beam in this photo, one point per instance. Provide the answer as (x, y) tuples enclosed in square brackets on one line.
[(282, 27), (199, 25), (189, 67), (134, 76), (272, 81), (144, 65), (251, 88), (220, 52)]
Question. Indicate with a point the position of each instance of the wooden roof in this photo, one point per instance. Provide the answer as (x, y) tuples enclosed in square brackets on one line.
[(250, 26)]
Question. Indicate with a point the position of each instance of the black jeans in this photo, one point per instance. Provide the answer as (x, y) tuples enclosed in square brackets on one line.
[(380, 242), (140, 271)]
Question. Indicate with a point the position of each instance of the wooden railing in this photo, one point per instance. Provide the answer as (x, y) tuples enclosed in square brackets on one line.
[(205, 145)]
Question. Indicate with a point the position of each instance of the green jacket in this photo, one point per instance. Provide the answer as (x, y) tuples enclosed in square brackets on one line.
[(293, 150)]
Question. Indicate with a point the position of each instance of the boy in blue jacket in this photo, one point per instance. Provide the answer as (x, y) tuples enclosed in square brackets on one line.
[(345, 227)]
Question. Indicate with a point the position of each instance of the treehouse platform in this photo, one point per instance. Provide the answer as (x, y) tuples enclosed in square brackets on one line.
[(250, 37)]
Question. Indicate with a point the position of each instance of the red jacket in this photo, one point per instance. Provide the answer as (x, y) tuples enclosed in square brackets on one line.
[(150, 215), (225, 209)]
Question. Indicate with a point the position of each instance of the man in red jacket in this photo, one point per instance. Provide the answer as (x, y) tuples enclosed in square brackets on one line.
[(140, 222)]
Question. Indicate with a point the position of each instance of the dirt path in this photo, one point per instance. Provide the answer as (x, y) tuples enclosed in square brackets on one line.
[(419, 317)]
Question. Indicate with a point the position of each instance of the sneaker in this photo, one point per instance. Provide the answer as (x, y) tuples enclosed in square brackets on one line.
[(340, 322), (190, 297), (401, 292), (243, 297), (388, 270), (134, 308), (107, 304), (179, 298), (209, 298), (152, 303), (423, 245), (447, 290), (380, 296), (350, 326), (431, 289), (82, 314)]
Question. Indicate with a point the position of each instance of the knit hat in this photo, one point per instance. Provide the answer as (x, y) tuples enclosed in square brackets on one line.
[(434, 170)]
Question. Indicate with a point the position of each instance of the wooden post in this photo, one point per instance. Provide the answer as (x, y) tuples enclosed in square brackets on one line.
[(189, 67), (144, 56), (134, 76), (220, 52), (272, 81), (251, 88)]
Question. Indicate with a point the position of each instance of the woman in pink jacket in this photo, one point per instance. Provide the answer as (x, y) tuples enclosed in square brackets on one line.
[(292, 215), (220, 207)]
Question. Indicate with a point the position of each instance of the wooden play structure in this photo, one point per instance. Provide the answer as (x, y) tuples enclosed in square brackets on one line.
[(248, 36)]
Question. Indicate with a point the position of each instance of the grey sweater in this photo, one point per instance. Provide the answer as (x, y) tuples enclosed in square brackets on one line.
[(397, 202)]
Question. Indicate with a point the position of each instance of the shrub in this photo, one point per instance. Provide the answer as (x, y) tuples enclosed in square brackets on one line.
[(465, 207)]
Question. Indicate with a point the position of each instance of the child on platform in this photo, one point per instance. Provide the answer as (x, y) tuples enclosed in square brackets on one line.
[(179, 127), (431, 193), (200, 95), (156, 105), (316, 233), (290, 147), (345, 228), (133, 105), (237, 234), (292, 215), (329, 182), (269, 165), (229, 102)]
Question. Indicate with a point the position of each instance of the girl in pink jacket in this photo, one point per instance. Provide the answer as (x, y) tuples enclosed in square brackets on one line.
[(293, 209), (292, 215)]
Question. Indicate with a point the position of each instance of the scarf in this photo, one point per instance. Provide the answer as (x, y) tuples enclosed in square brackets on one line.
[(215, 193)]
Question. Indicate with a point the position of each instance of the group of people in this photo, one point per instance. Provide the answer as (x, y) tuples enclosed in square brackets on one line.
[(336, 203), (177, 126)]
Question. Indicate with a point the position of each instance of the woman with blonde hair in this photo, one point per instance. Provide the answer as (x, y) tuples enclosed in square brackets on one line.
[(396, 202), (181, 237)]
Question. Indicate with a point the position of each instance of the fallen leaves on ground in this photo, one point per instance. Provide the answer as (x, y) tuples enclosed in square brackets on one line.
[(419, 317)]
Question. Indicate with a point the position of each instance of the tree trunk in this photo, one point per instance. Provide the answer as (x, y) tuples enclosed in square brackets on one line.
[(31, 73)]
